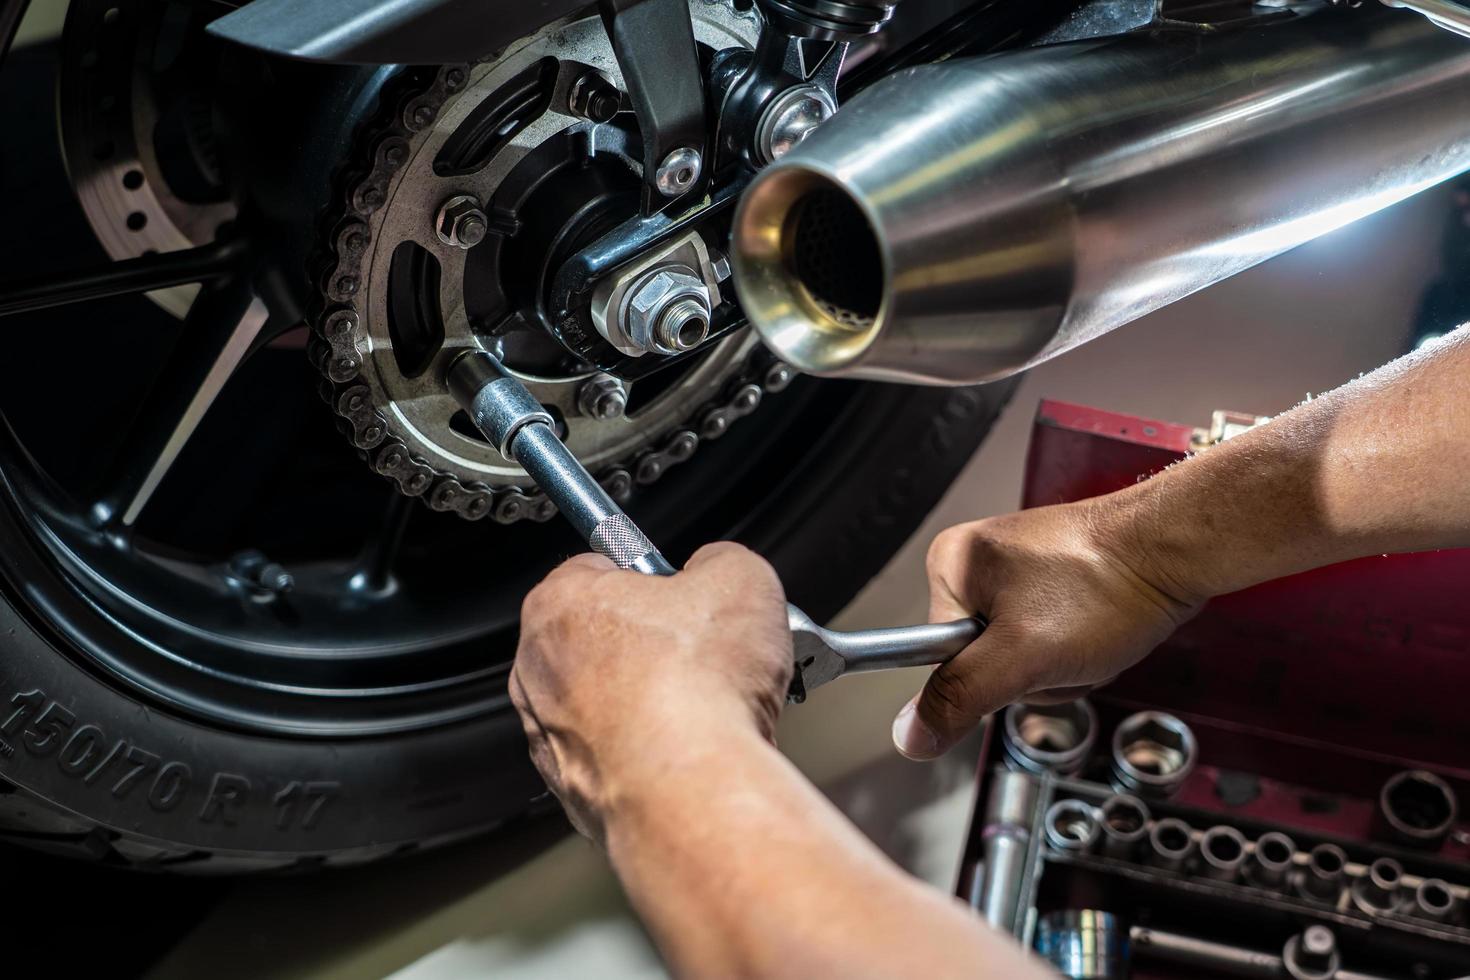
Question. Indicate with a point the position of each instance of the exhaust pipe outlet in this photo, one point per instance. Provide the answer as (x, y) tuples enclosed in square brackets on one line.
[(960, 222)]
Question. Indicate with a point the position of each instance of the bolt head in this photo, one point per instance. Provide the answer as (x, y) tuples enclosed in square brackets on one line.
[(602, 397), (594, 98), (611, 405), (791, 118), (471, 230), (461, 222), (679, 171)]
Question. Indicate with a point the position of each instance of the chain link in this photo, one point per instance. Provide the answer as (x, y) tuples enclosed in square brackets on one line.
[(409, 104)]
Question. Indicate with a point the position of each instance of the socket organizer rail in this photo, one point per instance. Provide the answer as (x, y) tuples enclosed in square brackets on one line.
[(1275, 793), (1190, 869)]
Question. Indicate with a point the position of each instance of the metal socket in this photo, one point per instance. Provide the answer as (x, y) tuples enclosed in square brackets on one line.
[(1325, 873), (1222, 853), (1009, 811), (1071, 825), (1124, 822), (1417, 809), (1153, 754), (1312, 955), (497, 403), (1271, 859), (1378, 890), (1049, 737), (1083, 944), (1435, 900), (1171, 844)]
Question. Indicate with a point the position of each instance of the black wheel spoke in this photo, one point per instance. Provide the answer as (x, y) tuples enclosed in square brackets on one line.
[(380, 553), (219, 333), (204, 264)]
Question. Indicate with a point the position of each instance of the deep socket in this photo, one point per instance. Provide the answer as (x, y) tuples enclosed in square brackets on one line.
[(1049, 737), (1326, 871), (1271, 859), (1171, 843), (1222, 853), (1124, 821), (1416, 809), (1007, 834), (1153, 754)]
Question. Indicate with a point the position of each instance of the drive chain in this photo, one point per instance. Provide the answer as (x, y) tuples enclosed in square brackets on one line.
[(409, 104)]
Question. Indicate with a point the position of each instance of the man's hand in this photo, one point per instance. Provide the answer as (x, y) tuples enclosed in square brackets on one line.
[(1069, 607), (622, 677)]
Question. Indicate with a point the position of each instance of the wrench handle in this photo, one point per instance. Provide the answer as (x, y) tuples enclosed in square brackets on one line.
[(906, 646)]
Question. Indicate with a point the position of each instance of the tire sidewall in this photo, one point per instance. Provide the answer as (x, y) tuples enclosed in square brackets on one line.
[(76, 743)]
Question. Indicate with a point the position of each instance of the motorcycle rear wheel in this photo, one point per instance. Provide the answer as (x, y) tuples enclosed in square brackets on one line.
[(152, 719)]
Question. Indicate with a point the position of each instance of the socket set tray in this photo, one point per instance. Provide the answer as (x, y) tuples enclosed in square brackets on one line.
[(1274, 793)]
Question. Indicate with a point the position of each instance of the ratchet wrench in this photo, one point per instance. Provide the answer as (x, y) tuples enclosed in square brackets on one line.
[(523, 431)]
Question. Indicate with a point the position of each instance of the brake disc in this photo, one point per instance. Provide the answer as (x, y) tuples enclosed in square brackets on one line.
[(136, 130), (399, 299)]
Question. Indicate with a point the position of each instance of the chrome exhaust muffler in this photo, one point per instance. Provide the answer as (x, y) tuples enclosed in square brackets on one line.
[(960, 222)]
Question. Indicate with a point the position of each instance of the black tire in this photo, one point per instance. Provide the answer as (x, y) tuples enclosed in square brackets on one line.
[(827, 480), (207, 799)]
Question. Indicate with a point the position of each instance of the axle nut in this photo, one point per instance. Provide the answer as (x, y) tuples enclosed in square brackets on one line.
[(669, 311)]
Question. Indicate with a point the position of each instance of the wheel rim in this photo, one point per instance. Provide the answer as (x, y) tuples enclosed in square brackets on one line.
[(169, 608)]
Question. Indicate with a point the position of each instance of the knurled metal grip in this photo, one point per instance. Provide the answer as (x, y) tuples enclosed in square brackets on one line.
[(497, 403), (620, 539)]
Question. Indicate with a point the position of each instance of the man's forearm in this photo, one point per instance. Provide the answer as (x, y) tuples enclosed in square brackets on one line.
[(740, 867), (1377, 466)]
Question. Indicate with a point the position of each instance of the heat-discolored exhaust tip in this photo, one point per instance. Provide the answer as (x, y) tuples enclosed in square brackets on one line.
[(809, 269)]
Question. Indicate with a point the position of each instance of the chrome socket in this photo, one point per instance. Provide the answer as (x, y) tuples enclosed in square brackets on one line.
[(1007, 834), (1435, 900), (1325, 874), (1378, 890), (1171, 844), (1222, 853), (1271, 860), (1056, 738), (1083, 944), (1071, 825), (1153, 754), (1124, 823), (1312, 955), (1416, 809)]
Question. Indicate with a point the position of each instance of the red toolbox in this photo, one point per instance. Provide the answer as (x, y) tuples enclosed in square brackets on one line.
[(1273, 793)]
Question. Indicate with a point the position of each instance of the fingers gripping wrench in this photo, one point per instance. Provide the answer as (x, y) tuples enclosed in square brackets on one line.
[(522, 430)]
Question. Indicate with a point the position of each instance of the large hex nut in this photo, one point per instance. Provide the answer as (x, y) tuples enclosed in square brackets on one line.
[(658, 294)]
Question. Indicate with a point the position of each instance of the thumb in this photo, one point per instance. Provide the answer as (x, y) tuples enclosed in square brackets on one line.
[(958, 695), (719, 551)]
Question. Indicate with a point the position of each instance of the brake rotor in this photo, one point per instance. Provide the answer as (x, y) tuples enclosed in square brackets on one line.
[(400, 299), (136, 131)]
